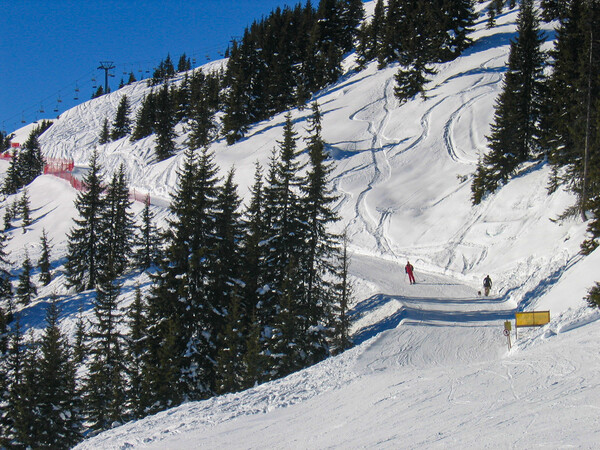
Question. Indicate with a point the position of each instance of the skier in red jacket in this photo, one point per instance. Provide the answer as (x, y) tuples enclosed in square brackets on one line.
[(409, 270)]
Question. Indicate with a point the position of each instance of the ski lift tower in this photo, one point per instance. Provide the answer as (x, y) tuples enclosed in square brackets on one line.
[(106, 66)]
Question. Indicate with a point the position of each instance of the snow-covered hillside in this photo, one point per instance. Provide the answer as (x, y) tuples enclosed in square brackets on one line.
[(432, 367)]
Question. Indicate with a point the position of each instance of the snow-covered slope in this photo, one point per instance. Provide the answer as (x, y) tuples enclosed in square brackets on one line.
[(432, 367)]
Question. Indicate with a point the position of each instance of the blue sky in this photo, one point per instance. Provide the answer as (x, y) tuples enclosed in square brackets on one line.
[(50, 48)]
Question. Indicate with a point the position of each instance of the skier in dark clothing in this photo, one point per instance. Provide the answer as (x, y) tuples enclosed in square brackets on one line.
[(409, 270), (487, 285)]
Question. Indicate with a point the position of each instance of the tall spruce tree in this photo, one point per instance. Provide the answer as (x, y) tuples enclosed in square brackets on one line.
[(31, 162), (104, 136), (79, 344), (84, 255), (343, 291), (25, 209), (134, 351), (230, 353), (12, 180), (168, 300), (117, 223), (121, 126), (371, 36), (253, 252), (5, 264), (145, 118), (207, 321), (317, 259), (26, 288), (285, 237), (515, 136), (237, 100), (572, 126), (105, 383), (60, 408), (21, 415), (225, 287), (201, 121), (164, 124), (148, 240), (44, 262), (179, 315)]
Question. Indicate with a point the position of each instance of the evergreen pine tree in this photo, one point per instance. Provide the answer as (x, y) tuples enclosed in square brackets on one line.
[(593, 297), (131, 78), (184, 63), (58, 397), (572, 125), (134, 352), (148, 240), (230, 354), (84, 255), (44, 262), (224, 288), (5, 285), (164, 124), (285, 234), (237, 100), (254, 252), (30, 161), (316, 262), (21, 416), (12, 179), (203, 127), (371, 35), (178, 309), (105, 382), (351, 16), (515, 132), (121, 126), (26, 289), (79, 345), (206, 303), (25, 207), (411, 80), (104, 133), (117, 223), (343, 290), (145, 118), (98, 92), (458, 19), (8, 219)]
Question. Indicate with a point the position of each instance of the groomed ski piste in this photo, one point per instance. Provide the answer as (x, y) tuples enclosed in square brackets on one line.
[(431, 367)]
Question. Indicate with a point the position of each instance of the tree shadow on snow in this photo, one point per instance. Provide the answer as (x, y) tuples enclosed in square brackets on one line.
[(406, 311)]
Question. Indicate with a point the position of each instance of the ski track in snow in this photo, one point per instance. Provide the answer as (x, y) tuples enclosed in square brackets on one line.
[(381, 169)]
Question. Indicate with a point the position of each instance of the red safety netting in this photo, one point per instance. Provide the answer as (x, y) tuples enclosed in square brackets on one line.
[(58, 165), (63, 168)]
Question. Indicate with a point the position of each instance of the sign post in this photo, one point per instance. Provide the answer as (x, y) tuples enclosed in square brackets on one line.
[(507, 328)]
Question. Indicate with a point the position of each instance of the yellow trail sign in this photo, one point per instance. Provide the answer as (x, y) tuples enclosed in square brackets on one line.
[(532, 318)]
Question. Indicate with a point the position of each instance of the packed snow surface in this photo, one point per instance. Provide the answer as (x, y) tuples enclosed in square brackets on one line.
[(431, 367)]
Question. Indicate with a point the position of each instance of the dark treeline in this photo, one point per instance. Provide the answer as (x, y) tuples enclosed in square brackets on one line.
[(285, 58), (416, 34), (549, 108), (240, 295)]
